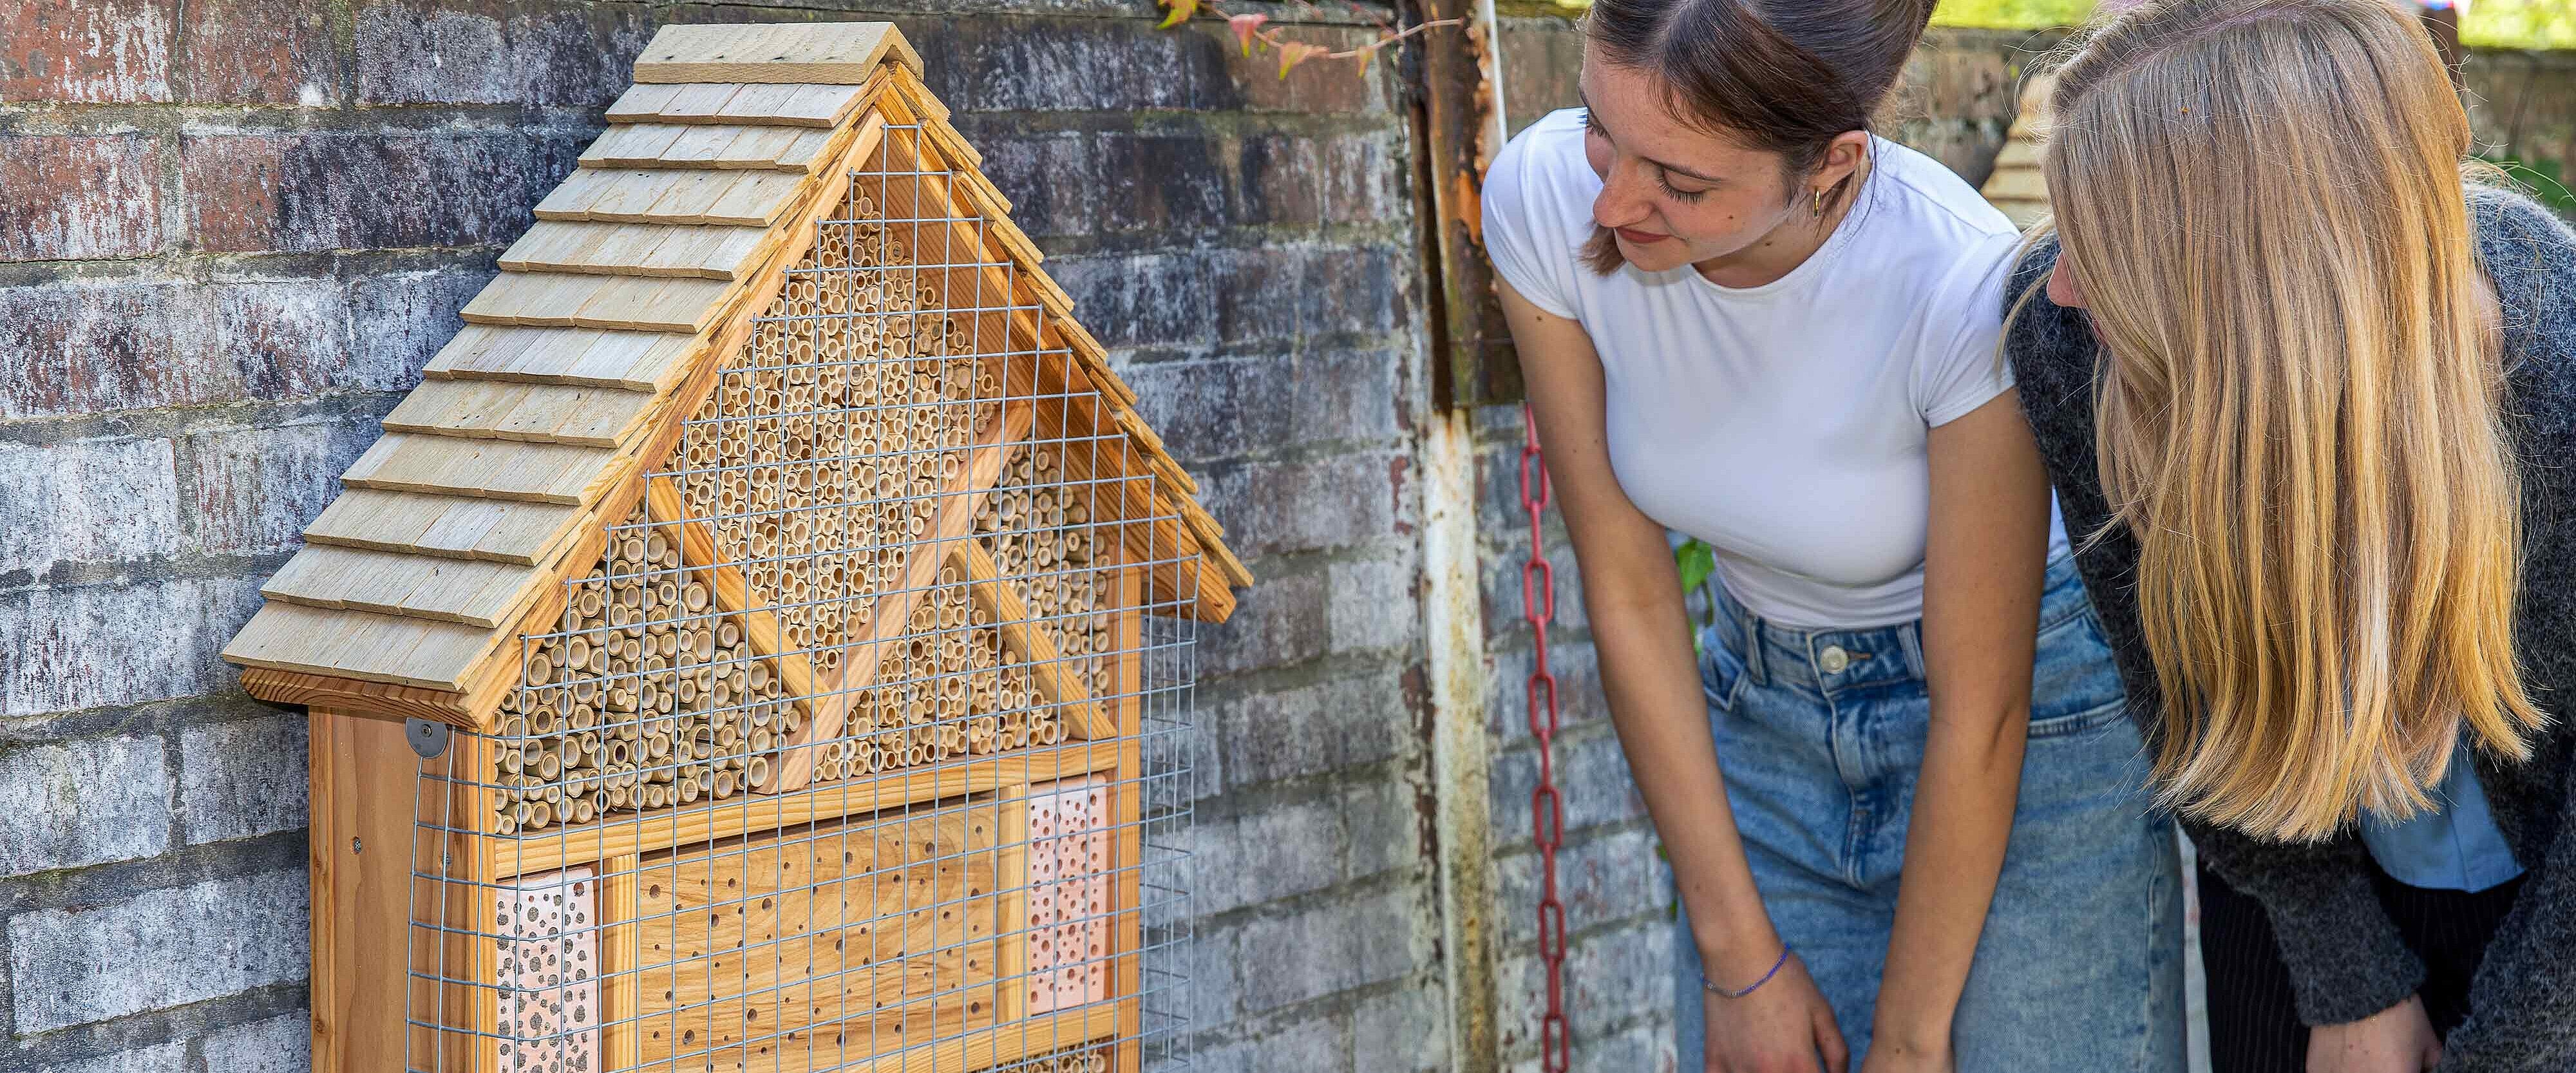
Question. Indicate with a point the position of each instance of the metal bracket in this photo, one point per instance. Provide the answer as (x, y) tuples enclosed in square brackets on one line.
[(427, 738)]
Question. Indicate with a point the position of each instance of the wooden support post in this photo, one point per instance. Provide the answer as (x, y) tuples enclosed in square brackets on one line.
[(621, 989), (1126, 819)]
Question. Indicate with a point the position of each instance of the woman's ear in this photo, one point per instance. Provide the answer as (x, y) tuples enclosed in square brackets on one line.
[(1844, 156), (2062, 288)]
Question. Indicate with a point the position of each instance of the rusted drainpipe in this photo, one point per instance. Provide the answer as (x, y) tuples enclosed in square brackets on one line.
[(1458, 124)]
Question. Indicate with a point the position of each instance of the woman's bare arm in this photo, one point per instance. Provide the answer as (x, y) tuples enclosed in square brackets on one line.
[(1642, 634), (1983, 564)]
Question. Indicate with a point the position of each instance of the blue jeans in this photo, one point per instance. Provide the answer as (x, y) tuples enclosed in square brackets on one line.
[(1821, 733)]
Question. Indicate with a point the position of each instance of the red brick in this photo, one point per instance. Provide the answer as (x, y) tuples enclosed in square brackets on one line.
[(383, 189), (92, 51), (74, 197), (259, 52)]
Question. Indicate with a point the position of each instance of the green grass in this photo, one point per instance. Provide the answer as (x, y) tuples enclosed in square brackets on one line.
[(2489, 24), (2012, 14)]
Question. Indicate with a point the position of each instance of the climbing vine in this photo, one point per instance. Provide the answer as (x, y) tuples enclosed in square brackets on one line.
[(1253, 31)]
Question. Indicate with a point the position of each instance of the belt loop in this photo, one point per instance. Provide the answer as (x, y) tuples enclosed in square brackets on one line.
[(1910, 638), (1750, 625)]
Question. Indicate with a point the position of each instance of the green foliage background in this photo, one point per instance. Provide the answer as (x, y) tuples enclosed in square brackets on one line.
[(2488, 23)]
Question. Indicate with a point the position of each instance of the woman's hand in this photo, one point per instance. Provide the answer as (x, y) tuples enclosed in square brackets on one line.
[(1784, 1026), (2398, 1039)]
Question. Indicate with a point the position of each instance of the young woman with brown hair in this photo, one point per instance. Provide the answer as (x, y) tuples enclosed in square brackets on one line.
[(1745, 318), (2308, 401)]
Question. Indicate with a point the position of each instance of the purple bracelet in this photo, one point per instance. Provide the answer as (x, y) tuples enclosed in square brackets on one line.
[(1766, 978)]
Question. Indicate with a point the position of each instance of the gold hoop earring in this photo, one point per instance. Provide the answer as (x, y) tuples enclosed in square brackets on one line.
[(1818, 208)]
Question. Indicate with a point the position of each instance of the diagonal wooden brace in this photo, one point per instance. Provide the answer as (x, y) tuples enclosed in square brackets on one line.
[(953, 521), (1020, 634), (732, 593)]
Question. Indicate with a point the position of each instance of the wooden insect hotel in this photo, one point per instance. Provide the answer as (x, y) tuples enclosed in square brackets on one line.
[(764, 640)]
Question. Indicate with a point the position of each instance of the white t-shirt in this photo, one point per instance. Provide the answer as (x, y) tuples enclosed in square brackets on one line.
[(1784, 424)]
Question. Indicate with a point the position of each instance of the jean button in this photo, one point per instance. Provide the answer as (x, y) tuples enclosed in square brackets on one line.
[(1833, 659)]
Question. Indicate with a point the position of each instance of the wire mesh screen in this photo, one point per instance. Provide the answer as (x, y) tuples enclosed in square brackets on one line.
[(866, 742)]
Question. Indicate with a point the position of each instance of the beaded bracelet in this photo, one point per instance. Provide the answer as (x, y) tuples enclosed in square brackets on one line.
[(1766, 978)]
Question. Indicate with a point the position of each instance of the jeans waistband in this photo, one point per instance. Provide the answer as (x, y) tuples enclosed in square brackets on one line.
[(1825, 659)]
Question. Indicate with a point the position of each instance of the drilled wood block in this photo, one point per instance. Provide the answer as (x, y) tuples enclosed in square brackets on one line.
[(1068, 894), (851, 939), (545, 929)]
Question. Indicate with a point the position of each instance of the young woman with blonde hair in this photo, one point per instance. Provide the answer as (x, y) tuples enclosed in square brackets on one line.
[(2309, 402), (1744, 317)]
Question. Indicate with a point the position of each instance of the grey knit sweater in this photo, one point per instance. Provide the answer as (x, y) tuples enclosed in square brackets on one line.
[(2345, 958)]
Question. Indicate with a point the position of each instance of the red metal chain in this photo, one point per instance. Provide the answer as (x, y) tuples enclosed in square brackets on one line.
[(1547, 808)]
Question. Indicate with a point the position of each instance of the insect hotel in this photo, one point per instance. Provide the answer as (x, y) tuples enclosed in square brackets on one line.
[(763, 641)]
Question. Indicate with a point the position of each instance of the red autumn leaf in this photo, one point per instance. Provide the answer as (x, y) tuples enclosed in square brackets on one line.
[(1181, 12), (1244, 27), (1294, 53)]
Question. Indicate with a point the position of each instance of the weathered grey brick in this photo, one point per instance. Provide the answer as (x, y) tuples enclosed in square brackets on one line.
[(1374, 604), (1186, 179), (1622, 976), (277, 1045), (85, 501), (156, 950), (1281, 623), (500, 51), (1600, 877), (161, 1058), (1270, 404), (1317, 1042), (77, 197), (401, 319), (82, 802), (109, 52), (95, 645), (243, 778), (1576, 666), (1288, 291), (1401, 1031), (99, 346), (1385, 828), (1336, 501), (1019, 64), (1591, 774), (1268, 854), (1295, 731), (253, 490), (385, 189), (1320, 948)]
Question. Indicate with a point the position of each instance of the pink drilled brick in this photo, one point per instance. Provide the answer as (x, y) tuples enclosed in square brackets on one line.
[(1068, 893), (547, 928)]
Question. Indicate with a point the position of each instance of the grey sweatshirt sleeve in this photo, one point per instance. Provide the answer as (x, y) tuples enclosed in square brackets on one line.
[(2522, 1004), (2345, 958)]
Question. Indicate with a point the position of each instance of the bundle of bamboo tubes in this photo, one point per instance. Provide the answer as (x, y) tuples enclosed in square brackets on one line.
[(1038, 529), (644, 699), (941, 691), (1095, 1060), (834, 436)]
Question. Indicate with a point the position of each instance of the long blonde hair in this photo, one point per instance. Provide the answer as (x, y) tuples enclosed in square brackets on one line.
[(2262, 201)]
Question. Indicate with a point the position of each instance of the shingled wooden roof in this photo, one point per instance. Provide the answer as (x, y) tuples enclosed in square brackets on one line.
[(534, 428)]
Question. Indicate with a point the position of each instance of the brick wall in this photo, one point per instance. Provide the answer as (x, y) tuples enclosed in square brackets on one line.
[(231, 231)]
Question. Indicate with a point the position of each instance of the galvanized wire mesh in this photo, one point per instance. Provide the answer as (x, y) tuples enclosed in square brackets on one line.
[(866, 744)]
